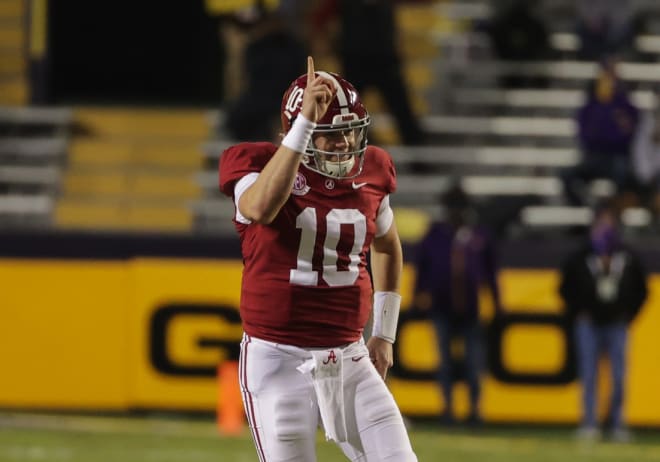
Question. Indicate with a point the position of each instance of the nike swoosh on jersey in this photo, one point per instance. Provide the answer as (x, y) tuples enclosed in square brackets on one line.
[(358, 185), (358, 358)]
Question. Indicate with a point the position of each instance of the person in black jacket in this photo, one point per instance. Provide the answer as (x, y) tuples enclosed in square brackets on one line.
[(604, 287)]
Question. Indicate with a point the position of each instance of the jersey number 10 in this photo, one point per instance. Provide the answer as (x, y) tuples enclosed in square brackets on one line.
[(304, 274)]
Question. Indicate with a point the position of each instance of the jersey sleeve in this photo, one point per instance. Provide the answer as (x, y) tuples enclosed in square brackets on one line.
[(240, 160), (384, 218), (391, 173), (381, 165)]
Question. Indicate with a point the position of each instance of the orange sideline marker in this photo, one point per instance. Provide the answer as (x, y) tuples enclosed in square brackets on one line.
[(230, 414)]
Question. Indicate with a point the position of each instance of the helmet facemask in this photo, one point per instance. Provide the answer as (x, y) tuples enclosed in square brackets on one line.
[(346, 129)]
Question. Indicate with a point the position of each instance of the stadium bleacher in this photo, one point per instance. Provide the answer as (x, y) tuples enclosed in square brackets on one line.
[(132, 170), (503, 144), (149, 169), (13, 65), (32, 158)]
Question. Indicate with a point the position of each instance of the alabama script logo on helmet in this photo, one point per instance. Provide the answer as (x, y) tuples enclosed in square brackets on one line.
[(346, 116)]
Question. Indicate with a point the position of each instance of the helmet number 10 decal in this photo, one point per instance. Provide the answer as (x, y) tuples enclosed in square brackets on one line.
[(306, 273), (295, 100)]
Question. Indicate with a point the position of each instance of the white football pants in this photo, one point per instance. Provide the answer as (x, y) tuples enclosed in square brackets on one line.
[(283, 412)]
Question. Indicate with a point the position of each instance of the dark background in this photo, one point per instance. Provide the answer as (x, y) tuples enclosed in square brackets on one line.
[(137, 52)]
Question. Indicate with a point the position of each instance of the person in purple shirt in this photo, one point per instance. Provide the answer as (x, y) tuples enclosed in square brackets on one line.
[(456, 258), (606, 125)]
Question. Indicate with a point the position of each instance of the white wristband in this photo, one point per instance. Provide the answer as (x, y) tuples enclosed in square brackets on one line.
[(299, 134), (386, 315)]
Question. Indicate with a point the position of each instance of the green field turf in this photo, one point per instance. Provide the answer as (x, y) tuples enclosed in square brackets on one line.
[(48, 437)]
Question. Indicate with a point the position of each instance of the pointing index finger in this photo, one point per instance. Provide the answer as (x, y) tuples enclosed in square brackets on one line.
[(310, 69)]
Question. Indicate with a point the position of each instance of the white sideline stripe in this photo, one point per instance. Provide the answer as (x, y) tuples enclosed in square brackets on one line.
[(107, 424), (37, 452)]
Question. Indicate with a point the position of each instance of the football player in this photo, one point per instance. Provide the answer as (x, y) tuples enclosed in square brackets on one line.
[(307, 213)]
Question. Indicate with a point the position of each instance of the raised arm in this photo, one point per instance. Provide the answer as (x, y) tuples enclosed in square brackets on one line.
[(262, 201)]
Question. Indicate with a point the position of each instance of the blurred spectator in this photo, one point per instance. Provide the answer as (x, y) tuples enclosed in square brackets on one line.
[(271, 59), (603, 285), (456, 258), (646, 157), (367, 44), (606, 125), (295, 13), (518, 34), (605, 27)]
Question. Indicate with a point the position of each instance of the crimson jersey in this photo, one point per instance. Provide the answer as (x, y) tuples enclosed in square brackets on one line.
[(305, 281)]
